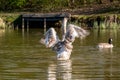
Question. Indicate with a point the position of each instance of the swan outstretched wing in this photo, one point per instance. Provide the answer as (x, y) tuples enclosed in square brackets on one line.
[(50, 38), (74, 31), (81, 32)]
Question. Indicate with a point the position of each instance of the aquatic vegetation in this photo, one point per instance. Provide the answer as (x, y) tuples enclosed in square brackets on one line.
[(2, 24), (105, 21), (8, 20)]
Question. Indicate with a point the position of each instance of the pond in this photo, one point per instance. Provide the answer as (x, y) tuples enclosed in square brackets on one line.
[(22, 57)]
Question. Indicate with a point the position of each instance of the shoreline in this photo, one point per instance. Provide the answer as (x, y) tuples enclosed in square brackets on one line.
[(11, 18)]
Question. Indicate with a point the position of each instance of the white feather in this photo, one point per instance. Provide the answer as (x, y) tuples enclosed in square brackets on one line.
[(80, 32), (64, 48), (51, 38)]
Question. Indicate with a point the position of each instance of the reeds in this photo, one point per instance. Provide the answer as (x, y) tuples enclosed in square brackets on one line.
[(2, 24), (105, 21)]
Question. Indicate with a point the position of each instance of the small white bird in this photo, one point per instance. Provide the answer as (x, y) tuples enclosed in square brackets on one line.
[(106, 45), (63, 47)]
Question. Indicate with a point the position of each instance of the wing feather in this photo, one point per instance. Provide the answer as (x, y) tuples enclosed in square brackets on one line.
[(51, 38), (81, 32), (74, 31)]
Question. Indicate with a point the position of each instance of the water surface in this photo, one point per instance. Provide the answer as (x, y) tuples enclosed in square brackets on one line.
[(22, 57)]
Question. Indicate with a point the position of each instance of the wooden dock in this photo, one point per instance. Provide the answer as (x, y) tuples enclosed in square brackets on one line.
[(44, 18)]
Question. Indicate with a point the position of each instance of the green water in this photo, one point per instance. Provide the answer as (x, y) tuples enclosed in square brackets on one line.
[(22, 57)]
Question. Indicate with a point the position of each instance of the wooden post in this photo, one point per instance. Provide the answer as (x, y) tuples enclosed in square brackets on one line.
[(27, 25), (44, 25), (23, 23), (64, 24)]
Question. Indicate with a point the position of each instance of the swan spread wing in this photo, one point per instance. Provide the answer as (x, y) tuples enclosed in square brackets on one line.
[(75, 31), (51, 38), (64, 47)]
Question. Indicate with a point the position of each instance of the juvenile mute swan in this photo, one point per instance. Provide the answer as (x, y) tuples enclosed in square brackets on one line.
[(106, 45), (63, 47)]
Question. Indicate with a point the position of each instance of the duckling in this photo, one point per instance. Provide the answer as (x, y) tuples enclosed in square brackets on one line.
[(106, 45)]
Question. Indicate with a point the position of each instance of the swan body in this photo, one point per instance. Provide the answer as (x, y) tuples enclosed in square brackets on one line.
[(63, 47), (106, 45)]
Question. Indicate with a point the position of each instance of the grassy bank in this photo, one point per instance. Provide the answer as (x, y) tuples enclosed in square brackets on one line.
[(106, 20), (89, 21), (8, 19)]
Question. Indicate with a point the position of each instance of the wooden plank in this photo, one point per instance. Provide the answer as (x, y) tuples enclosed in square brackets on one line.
[(44, 25), (23, 23), (58, 15)]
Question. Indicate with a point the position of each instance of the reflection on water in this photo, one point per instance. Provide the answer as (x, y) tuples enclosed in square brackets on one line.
[(22, 57), (60, 71), (106, 50), (96, 65)]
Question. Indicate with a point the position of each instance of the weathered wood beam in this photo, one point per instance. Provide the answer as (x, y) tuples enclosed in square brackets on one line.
[(23, 23), (44, 25)]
